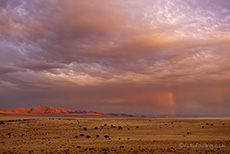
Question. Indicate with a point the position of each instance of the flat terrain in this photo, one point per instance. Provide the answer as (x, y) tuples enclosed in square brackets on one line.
[(103, 135)]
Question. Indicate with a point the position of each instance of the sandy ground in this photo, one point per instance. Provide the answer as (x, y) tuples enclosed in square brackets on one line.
[(136, 135)]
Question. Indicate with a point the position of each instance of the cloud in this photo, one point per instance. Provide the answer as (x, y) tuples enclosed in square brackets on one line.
[(164, 44)]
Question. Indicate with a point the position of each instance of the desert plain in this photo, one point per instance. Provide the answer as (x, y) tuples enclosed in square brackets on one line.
[(108, 135)]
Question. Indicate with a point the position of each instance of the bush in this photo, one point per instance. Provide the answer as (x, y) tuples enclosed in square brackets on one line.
[(106, 136)]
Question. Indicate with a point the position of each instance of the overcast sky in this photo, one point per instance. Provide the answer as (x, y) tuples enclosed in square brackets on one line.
[(141, 57)]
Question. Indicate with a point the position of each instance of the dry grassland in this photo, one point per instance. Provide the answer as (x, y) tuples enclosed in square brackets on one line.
[(113, 135)]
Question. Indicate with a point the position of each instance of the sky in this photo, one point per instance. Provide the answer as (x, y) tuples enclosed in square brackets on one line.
[(140, 57)]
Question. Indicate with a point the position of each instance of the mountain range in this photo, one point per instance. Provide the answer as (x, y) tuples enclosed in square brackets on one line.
[(46, 110)]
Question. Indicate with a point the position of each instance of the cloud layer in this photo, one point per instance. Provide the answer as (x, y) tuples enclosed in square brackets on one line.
[(116, 56)]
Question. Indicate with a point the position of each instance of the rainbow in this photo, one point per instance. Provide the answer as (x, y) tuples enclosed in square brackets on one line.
[(171, 102), (171, 99)]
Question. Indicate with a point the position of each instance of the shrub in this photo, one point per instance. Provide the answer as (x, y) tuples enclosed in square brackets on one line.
[(106, 136)]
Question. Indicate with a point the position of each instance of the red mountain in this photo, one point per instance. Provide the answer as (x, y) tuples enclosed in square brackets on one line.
[(46, 110), (16, 110)]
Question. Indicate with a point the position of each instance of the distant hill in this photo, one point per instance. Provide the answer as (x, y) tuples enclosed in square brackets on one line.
[(46, 110)]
